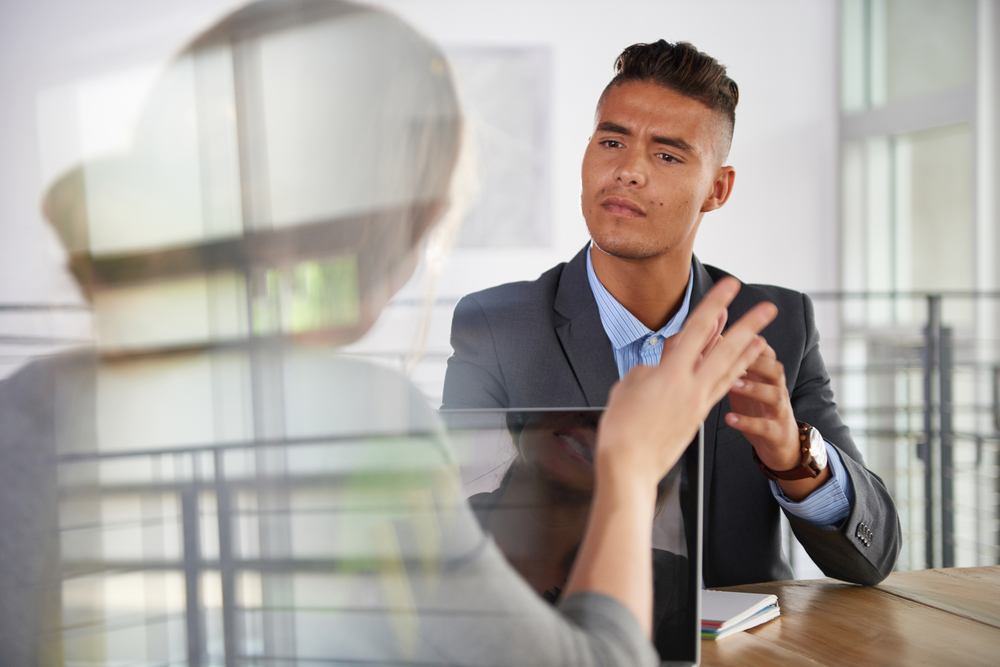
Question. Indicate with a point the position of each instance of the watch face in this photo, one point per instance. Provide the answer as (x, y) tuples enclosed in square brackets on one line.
[(817, 447)]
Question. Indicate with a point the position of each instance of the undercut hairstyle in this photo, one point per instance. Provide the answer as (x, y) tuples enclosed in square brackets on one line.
[(682, 68)]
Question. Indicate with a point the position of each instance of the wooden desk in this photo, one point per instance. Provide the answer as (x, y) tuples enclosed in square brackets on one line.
[(929, 617)]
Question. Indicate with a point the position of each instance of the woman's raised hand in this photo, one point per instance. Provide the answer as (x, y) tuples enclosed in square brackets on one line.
[(654, 412)]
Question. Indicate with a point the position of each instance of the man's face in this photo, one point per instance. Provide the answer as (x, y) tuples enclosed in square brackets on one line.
[(650, 171)]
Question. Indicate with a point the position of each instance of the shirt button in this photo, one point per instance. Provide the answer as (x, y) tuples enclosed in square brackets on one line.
[(653, 340)]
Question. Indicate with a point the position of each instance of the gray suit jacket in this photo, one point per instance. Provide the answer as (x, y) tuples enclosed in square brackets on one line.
[(541, 344)]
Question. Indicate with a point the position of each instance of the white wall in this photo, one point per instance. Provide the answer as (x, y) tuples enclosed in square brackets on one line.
[(46, 46), (47, 49), (779, 226)]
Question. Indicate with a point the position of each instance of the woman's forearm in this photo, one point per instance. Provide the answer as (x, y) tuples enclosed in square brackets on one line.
[(615, 557), (651, 416)]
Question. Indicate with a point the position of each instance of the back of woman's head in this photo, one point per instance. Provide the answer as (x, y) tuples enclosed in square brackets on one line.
[(305, 144)]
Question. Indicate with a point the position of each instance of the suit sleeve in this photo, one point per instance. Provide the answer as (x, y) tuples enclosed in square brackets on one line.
[(862, 548), (473, 378)]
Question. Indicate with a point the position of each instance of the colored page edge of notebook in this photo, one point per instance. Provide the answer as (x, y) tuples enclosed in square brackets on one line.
[(765, 615), (723, 608), (762, 616)]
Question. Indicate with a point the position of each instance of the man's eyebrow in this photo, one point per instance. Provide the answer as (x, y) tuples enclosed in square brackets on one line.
[(676, 143), (607, 126)]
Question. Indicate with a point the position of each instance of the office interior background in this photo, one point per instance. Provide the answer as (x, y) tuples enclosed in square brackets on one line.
[(867, 154)]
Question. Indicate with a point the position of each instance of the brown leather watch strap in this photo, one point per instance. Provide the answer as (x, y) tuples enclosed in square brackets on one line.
[(806, 469)]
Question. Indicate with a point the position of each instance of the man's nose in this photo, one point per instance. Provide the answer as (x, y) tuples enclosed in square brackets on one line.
[(631, 170)]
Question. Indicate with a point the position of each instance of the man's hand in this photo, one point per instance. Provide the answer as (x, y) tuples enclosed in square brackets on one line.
[(654, 412), (762, 411), (671, 342)]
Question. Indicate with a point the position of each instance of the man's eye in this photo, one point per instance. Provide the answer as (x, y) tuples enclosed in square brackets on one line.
[(611, 143), (666, 157)]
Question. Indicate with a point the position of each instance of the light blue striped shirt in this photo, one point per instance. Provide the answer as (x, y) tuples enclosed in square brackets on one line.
[(635, 344)]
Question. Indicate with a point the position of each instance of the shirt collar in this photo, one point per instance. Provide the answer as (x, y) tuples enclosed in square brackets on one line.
[(620, 325)]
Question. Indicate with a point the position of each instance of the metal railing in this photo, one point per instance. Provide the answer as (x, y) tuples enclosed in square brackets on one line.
[(228, 525), (917, 377)]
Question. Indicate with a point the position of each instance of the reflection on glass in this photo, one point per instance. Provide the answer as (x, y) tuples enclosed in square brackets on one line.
[(538, 510), (212, 482), (307, 296)]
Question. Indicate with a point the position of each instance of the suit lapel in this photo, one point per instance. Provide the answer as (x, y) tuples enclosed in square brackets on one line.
[(702, 283), (589, 353), (592, 359), (581, 333)]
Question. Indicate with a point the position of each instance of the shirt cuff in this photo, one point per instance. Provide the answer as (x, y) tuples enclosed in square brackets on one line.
[(829, 503)]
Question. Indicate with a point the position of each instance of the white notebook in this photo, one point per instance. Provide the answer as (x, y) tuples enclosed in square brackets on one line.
[(724, 613)]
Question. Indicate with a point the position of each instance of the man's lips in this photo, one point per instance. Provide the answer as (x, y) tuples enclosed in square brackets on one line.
[(622, 207)]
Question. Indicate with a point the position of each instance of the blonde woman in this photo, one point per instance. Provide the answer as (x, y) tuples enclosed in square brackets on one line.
[(211, 482)]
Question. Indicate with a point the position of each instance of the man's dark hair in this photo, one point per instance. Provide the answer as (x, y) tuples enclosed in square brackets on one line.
[(683, 69)]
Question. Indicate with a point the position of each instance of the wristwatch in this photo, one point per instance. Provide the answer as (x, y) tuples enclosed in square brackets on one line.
[(813, 456)]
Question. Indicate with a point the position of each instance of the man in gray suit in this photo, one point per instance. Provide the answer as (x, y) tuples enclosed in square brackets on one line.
[(653, 167)]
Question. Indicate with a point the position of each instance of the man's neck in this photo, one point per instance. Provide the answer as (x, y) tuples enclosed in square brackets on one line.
[(651, 289)]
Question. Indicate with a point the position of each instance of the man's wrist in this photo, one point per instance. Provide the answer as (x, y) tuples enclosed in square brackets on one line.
[(798, 490), (810, 462), (829, 503)]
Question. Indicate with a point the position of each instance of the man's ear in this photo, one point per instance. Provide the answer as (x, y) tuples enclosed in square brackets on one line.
[(722, 187)]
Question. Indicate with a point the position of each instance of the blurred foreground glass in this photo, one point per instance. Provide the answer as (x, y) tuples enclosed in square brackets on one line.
[(530, 481), (213, 483), (265, 179)]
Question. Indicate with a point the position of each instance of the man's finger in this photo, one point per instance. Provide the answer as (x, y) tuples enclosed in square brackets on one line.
[(768, 369), (735, 342), (764, 427), (725, 377), (768, 394), (701, 325), (769, 353)]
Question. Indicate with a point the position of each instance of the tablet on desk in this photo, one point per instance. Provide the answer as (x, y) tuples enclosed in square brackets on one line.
[(503, 452)]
